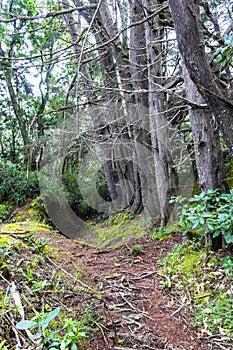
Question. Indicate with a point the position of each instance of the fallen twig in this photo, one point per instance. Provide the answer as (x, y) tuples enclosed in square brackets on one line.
[(144, 276), (135, 308), (178, 310), (13, 233), (91, 291), (102, 331)]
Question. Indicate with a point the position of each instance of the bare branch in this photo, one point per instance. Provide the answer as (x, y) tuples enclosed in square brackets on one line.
[(49, 14)]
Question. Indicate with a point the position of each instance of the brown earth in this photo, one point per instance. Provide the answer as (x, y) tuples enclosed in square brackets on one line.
[(138, 313)]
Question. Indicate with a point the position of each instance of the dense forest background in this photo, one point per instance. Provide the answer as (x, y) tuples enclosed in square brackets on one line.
[(116, 104)]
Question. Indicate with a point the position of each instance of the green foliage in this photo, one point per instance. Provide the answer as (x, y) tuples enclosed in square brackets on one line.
[(52, 327), (227, 263), (184, 262), (199, 281), (75, 332), (210, 212), (3, 212), (39, 322), (224, 54), (9, 248), (6, 263), (162, 233), (72, 333), (137, 250), (16, 186), (37, 245), (217, 316)]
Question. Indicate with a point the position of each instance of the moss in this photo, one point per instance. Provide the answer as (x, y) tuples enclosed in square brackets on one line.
[(114, 232), (34, 210), (229, 168), (183, 264), (20, 216), (25, 226), (6, 239)]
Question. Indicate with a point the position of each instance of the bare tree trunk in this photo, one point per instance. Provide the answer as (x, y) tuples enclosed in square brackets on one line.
[(8, 72), (186, 21), (164, 171), (141, 128), (128, 170), (208, 153)]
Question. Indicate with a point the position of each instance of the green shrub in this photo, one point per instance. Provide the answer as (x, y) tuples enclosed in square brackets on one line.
[(208, 213), (16, 185), (74, 196)]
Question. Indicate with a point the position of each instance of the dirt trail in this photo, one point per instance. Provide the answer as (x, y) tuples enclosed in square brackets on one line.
[(138, 313)]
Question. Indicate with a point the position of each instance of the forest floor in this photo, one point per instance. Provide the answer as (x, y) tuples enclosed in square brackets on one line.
[(126, 290), (137, 312)]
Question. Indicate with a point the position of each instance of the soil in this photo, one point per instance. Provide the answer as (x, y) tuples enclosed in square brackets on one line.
[(138, 313)]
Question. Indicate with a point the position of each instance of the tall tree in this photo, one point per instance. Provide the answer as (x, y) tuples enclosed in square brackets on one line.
[(192, 49), (164, 171), (201, 87)]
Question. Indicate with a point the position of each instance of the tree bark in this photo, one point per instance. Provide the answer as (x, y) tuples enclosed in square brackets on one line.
[(164, 171), (208, 153), (192, 50), (141, 127)]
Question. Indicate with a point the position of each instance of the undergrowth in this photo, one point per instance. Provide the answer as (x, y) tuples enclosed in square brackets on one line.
[(37, 311), (202, 281), (16, 185)]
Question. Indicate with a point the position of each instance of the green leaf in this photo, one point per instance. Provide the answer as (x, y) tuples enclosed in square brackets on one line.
[(216, 234), (64, 344), (54, 345), (82, 334), (52, 315), (228, 237), (26, 324)]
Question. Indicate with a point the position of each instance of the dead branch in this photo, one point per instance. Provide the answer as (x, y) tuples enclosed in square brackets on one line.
[(49, 14)]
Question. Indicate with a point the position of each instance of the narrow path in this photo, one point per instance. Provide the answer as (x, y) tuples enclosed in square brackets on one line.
[(138, 313)]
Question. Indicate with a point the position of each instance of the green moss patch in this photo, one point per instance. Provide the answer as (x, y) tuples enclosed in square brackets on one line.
[(24, 226), (114, 232), (5, 240), (34, 210)]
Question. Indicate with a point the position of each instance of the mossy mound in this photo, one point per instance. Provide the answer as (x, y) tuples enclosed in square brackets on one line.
[(24, 227), (115, 231), (34, 210), (5, 240)]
